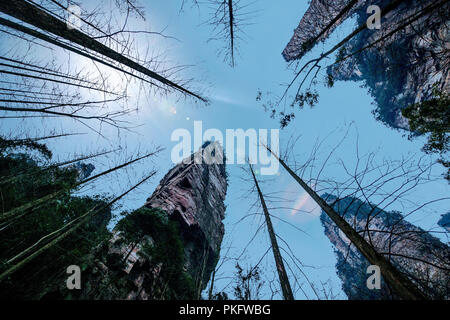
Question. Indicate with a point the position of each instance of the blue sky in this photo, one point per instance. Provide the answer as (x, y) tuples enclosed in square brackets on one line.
[(232, 92)]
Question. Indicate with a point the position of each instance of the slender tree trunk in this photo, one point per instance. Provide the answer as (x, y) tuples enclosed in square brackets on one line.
[(231, 17), (284, 280), (21, 175), (399, 282), (211, 288), (40, 70), (200, 275), (54, 80)]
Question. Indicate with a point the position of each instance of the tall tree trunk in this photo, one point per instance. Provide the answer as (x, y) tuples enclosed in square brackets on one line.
[(31, 14), (399, 282), (284, 280)]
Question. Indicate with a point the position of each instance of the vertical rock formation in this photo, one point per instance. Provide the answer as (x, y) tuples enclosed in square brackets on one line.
[(410, 248), (168, 248), (193, 194), (398, 71)]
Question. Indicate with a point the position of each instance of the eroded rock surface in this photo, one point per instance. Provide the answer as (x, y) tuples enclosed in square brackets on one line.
[(398, 71)]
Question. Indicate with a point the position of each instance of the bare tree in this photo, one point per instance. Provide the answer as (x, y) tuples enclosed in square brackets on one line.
[(228, 18), (35, 16), (283, 277)]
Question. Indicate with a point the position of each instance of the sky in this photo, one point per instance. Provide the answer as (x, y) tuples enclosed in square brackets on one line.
[(232, 92)]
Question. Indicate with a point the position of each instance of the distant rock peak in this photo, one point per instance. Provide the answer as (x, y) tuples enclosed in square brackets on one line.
[(409, 246), (444, 222)]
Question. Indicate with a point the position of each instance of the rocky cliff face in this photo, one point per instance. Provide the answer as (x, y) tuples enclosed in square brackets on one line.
[(398, 71), (184, 213), (319, 14), (409, 246)]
